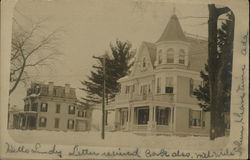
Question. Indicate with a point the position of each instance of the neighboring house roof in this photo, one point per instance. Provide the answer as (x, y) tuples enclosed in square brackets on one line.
[(173, 31)]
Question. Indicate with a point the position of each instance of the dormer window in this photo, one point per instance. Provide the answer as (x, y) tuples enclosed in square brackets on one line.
[(170, 55), (182, 57)]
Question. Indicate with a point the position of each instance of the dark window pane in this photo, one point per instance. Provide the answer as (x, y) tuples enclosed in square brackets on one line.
[(143, 116)]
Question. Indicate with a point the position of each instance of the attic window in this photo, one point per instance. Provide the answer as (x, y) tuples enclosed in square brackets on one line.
[(170, 55), (182, 57)]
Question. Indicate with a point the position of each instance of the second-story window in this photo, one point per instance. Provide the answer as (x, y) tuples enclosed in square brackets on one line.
[(144, 89), (193, 85), (34, 107), (169, 85), (170, 55), (58, 108), (182, 57), (127, 90), (26, 107), (133, 88), (71, 109), (44, 107), (158, 85), (80, 113)]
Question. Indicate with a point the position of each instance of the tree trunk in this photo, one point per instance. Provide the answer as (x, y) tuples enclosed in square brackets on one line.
[(215, 72)]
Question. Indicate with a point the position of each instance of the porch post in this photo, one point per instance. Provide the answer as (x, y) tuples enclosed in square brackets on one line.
[(18, 121), (129, 118), (117, 118), (151, 122), (132, 117), (172, 118), (154, 115), (26, 122)]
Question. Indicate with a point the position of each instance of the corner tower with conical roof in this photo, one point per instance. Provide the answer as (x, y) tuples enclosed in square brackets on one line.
[(172, 46)]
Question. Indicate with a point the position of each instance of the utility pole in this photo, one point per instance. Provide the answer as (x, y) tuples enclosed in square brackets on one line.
[(103, 99), (103, 60)]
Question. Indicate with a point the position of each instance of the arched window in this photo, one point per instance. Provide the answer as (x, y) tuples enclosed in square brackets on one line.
[(182, 57), (144, 62), (160, 56), (170, 55)]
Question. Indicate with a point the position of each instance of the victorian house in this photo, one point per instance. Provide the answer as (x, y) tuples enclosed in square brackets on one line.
[(157, 96), (49, 107)]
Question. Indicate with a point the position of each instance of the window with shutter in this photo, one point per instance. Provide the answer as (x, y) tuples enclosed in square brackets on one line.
[(195, 118)]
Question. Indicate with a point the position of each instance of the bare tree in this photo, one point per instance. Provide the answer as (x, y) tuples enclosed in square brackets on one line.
[(31, 48)]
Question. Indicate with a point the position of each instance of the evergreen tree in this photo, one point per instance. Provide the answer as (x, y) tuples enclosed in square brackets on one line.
[(202, 92), (117, 65)]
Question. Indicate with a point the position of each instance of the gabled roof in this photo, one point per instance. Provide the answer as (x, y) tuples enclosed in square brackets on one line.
[(152, 51), (173, 31)]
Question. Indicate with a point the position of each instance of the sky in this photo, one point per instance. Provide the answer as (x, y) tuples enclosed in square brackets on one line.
[(90, 25)]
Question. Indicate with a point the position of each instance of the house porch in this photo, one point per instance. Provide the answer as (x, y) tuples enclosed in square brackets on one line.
[(25, 120), (145, 119)]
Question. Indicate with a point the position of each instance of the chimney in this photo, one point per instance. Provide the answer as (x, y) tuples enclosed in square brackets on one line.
[(51, 87), (67, 90)]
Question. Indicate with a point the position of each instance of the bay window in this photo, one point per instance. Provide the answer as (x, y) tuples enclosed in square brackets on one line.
[(71, 109), (170, 55), (44, 107), (182, 57), (169, 85), (158, 85)]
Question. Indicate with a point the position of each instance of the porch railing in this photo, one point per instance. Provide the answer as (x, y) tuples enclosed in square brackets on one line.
[(143, 97)]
